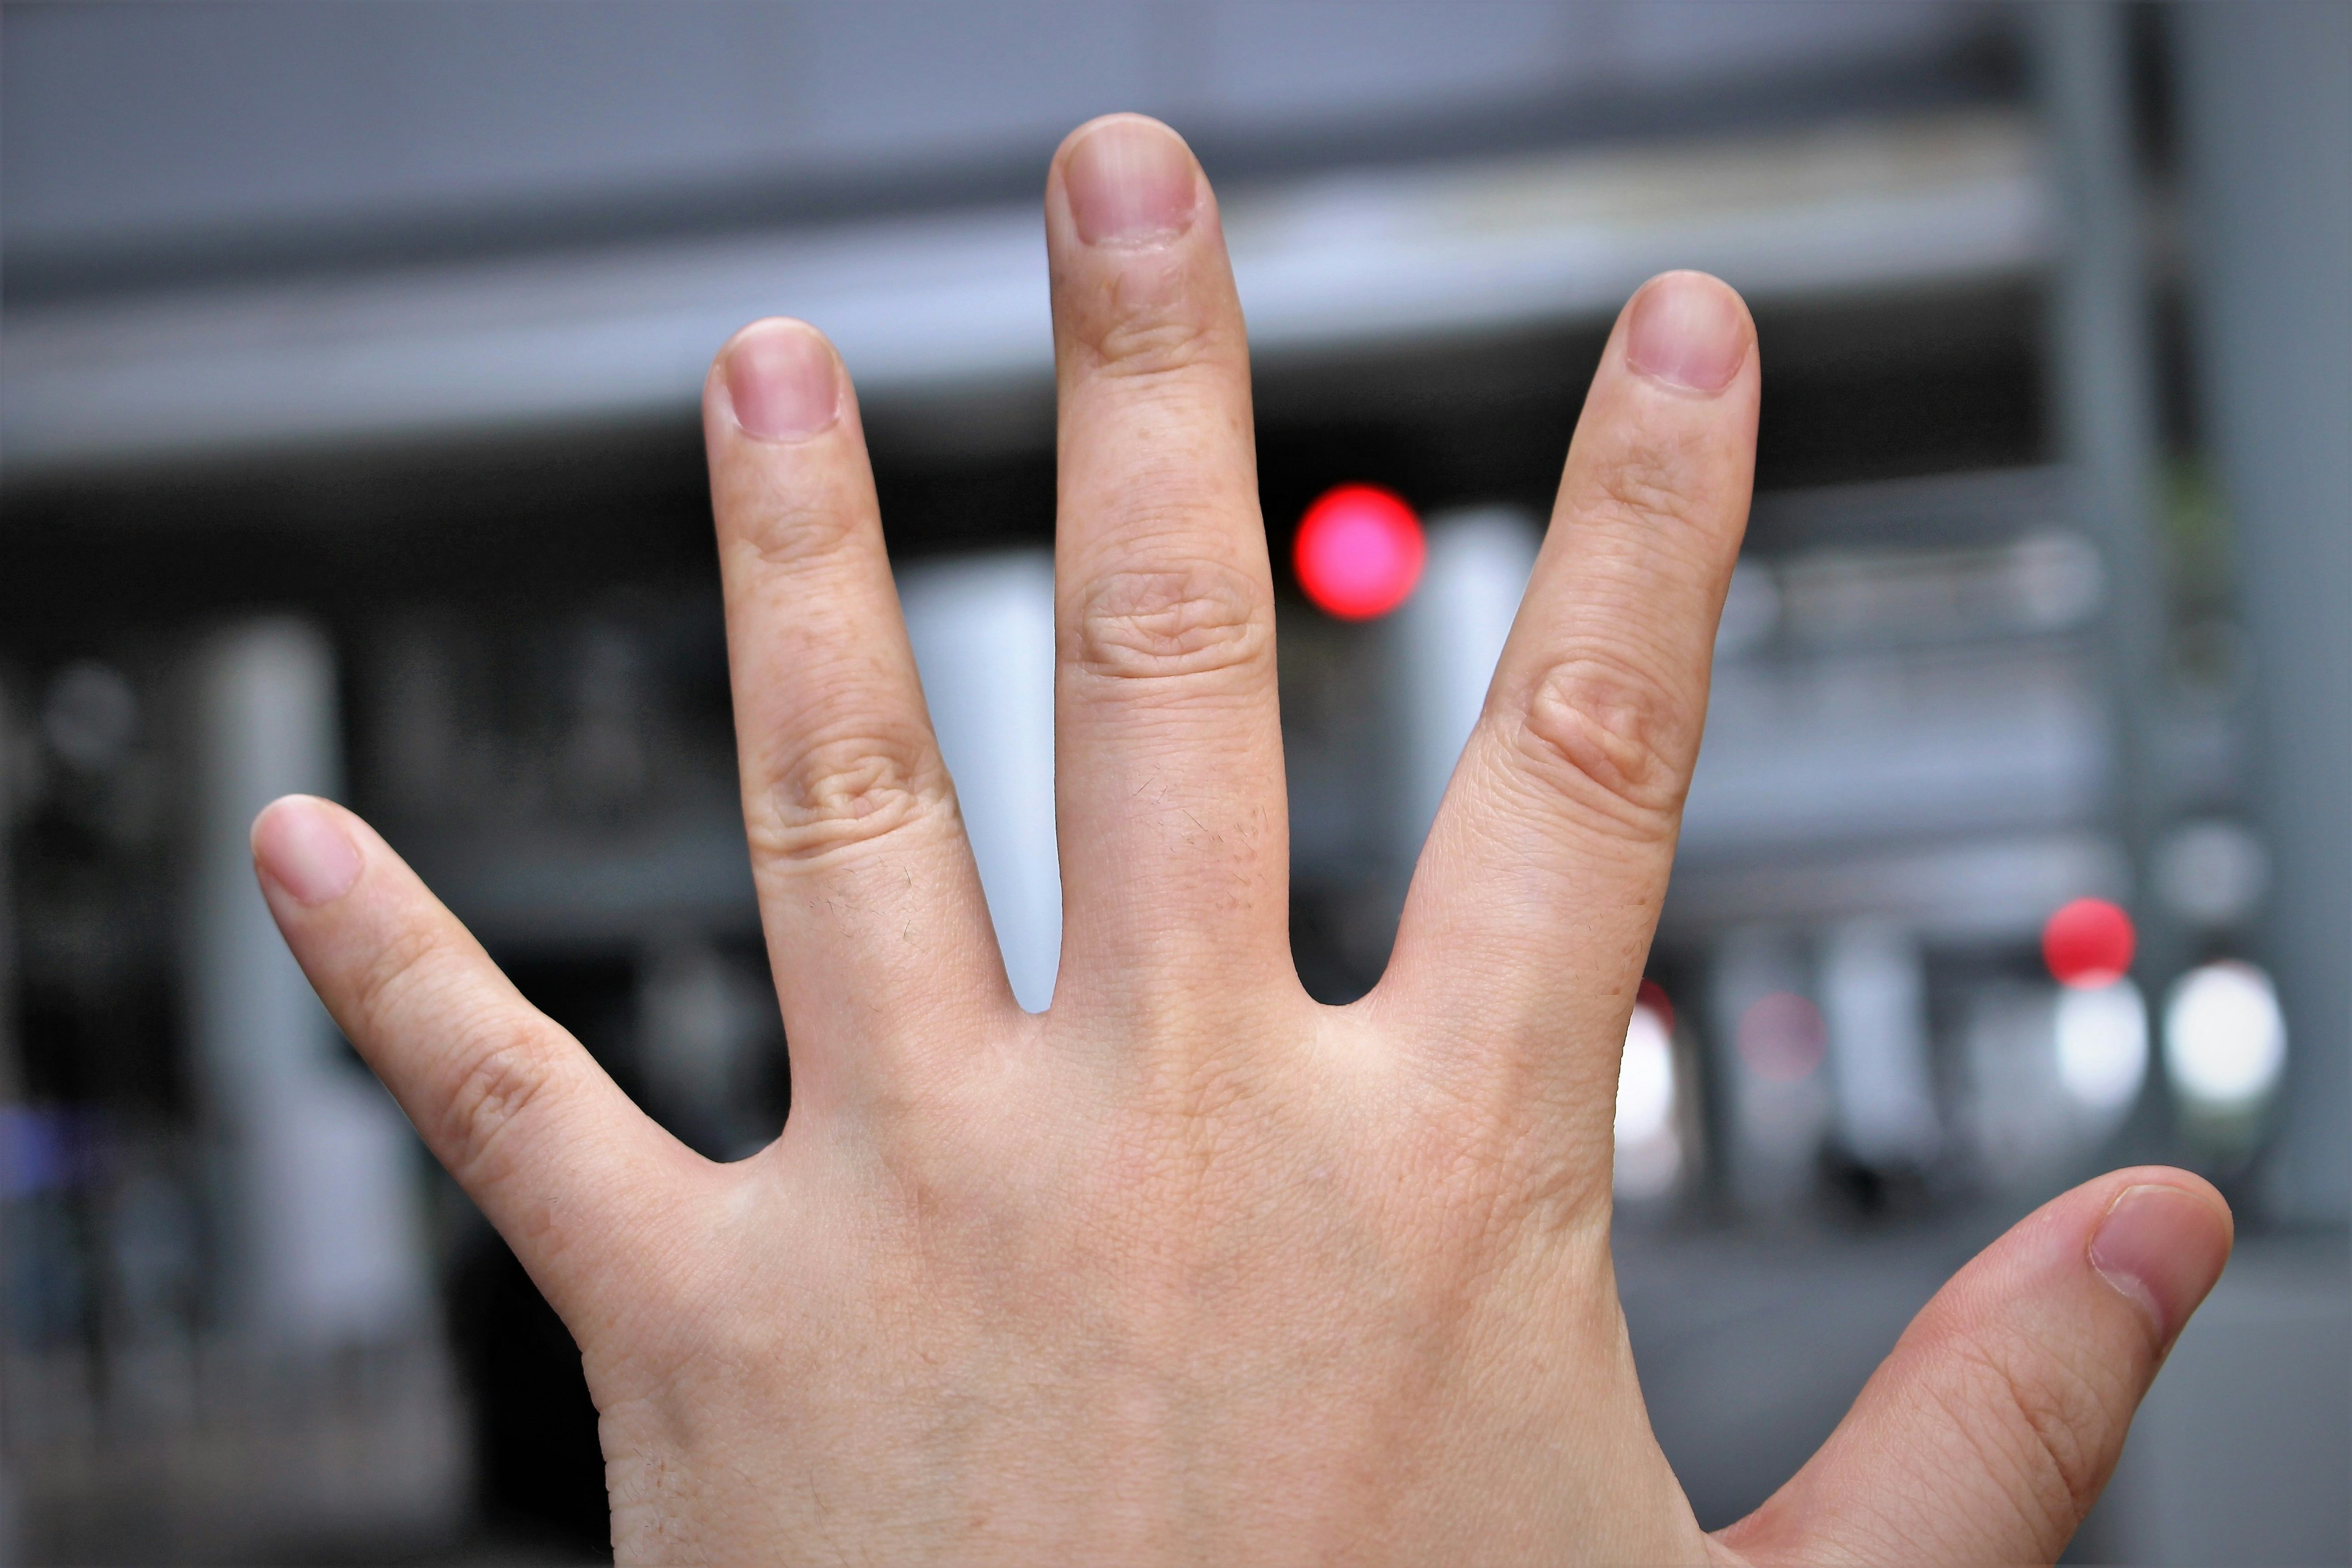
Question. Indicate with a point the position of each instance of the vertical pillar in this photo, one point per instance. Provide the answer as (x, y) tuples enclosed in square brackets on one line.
[(982, 629), (2265, 96), (1874, 1001), (2102, 401), (11, 1087), (1772, 1098), (1444, 644), (327, 1240)]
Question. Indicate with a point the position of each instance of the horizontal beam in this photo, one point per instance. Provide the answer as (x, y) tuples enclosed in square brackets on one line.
[(956, 302)]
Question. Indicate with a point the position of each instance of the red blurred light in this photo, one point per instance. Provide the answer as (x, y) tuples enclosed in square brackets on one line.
[(2088, 943), (1359, 551), (1653, 996)]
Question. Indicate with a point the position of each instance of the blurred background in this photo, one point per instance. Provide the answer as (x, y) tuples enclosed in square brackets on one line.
[(349, 360)]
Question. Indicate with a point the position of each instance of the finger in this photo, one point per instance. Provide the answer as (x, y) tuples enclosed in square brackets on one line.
[(1531, 910), (877, 928), (1987, 1434), (1175, 846), (561, 1162)]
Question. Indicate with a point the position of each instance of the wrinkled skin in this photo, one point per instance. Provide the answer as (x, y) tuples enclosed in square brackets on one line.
[(1192, 1269)]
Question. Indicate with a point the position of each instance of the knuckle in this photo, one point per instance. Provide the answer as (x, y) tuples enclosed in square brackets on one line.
[(1647, 482), (392, 968), (842, 792), (1194, 619), (506, 1072), (782, 529), (1147, 324), (1610, 738), (2058, 1414), (1150, 344), (2038, 1432)]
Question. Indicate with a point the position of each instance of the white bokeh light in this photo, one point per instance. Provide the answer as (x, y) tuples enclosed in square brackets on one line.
[(1649, 1146), (2102, 1039), (2224, 1037)]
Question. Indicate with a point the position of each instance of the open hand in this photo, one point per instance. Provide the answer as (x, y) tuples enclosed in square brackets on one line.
[(1190, 1267)]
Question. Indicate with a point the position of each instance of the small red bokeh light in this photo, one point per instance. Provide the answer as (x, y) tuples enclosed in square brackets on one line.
[(2088, 943), (1653, 996), (1359, 551)]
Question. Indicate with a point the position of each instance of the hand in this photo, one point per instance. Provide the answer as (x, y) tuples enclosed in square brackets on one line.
[(1192, 1269)]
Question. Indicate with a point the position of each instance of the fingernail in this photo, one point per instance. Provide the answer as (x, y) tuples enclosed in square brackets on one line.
[(302, 849), (782, 378), (2164, 1247), (1686, 328), (1129, 180)]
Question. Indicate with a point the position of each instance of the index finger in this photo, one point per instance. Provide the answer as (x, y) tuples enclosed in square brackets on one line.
[(1532, 909)]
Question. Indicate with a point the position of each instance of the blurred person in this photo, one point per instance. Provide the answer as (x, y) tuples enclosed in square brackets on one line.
[(1189, 1267)]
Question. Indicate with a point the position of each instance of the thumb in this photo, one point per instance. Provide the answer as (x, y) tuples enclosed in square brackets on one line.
[(1990, 1430)]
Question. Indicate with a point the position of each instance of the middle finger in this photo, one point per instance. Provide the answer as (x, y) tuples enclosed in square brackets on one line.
[(1175, 842)]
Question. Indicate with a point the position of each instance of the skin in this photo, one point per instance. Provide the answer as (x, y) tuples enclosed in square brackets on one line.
[(1192, 1269)]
